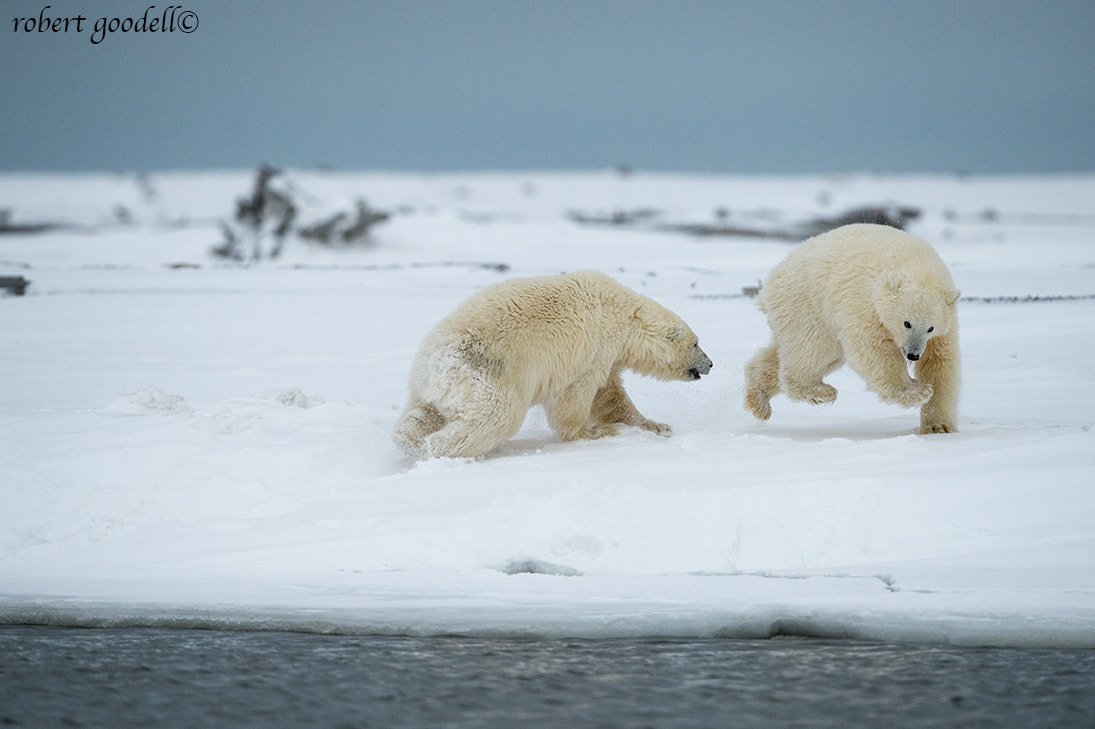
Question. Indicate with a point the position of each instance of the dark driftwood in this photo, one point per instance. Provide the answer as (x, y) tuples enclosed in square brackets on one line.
[(16, 285), (271, 212), (647, 219)]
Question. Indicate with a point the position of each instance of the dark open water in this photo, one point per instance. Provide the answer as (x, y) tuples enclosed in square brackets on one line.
[(57, 677)]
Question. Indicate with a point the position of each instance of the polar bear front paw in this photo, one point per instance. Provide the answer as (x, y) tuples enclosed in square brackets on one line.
[(914, 394), (661, 429), (593, 432)]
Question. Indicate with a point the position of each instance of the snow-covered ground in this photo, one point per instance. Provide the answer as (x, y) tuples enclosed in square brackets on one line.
[(189, 441)]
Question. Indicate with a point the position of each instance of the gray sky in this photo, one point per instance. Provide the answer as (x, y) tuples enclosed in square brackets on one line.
[(780, 86)]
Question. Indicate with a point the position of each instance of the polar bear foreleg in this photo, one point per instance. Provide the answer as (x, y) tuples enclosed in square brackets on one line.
[(570, 411), (940, 367), (881, 364), (612, 404)]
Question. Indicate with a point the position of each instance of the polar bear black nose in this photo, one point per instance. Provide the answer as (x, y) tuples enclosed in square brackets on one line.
[(912, 356)]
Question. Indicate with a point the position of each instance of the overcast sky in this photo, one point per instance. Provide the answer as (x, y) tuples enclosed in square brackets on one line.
[(758, 86)]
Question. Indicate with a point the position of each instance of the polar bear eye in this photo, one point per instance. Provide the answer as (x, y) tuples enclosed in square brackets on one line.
[(931, 329), (908, 325)]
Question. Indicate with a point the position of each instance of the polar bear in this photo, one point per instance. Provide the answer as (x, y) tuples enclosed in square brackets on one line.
[(561, 341), (869, 295)]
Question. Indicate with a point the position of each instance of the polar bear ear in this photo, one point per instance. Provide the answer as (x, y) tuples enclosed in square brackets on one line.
[(893, 280), (674, 334), (952, 296)]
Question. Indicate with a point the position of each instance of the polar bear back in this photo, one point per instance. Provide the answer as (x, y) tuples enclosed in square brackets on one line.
[(826, 272), (866, 249), (527, 332)]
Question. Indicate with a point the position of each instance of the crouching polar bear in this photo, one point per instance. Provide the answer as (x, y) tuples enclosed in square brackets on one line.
[(874, 297), (560, 341)]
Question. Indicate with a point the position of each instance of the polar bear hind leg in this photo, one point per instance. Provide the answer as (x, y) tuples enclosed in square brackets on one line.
[(762, 381), (800, 377), (419, 419), (463, 409), (805, 358), (472, 434), (479, 415)]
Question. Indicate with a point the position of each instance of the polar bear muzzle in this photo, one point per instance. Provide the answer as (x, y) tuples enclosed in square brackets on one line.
[(915, 340), (699, 363)]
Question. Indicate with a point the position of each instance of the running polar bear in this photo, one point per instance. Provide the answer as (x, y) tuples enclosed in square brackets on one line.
[(869, 295), (560, 341)]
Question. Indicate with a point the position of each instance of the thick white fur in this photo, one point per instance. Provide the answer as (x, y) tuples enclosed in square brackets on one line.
[(845, 297), (560, 341)]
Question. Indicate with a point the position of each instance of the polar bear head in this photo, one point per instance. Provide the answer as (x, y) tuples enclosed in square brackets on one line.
[(913, 311), (665, 347)]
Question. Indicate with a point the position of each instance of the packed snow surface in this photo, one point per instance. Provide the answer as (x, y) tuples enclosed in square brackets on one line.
[(194, 441)]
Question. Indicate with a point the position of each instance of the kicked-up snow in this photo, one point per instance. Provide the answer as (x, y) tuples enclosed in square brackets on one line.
[(188, 440)]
